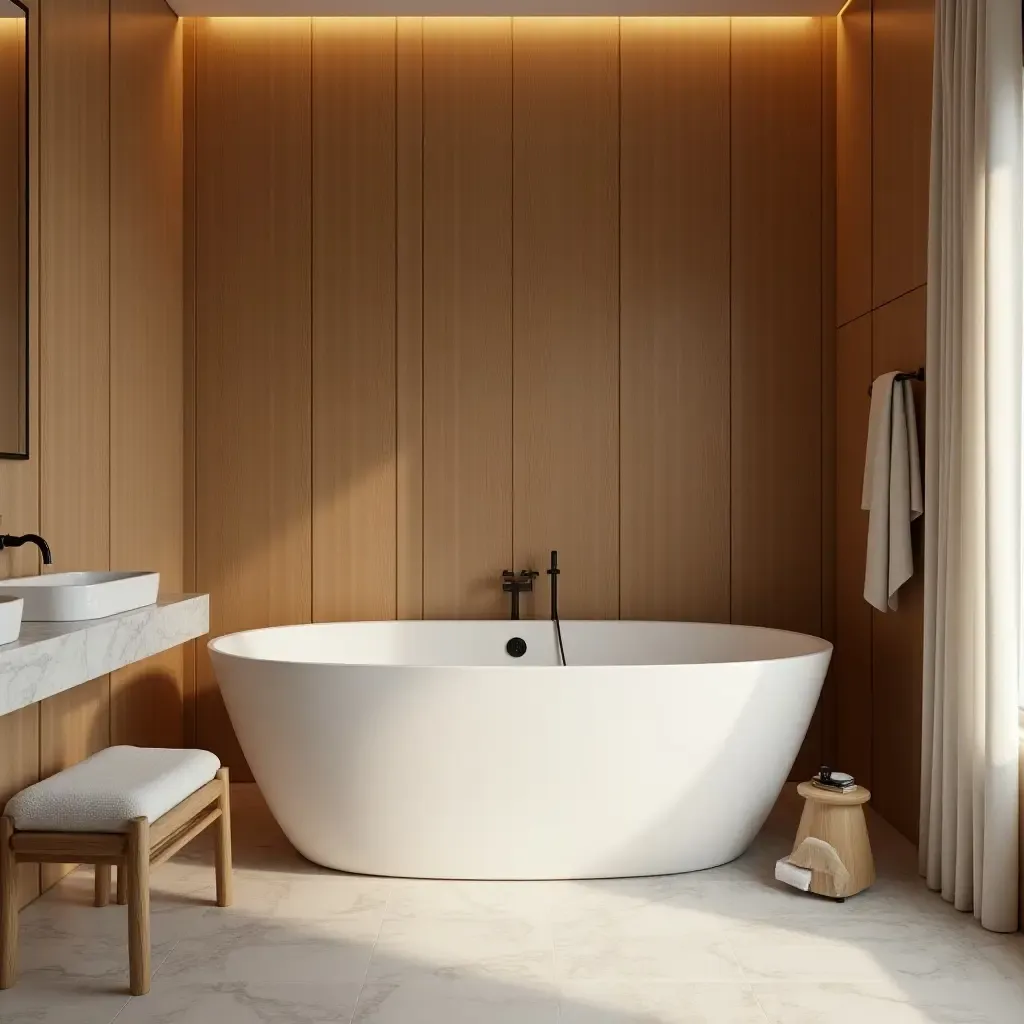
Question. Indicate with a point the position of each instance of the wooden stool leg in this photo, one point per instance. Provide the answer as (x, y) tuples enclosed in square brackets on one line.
[(223, 843), (8, 906), (122, 884), (137, 864), (102, 885)]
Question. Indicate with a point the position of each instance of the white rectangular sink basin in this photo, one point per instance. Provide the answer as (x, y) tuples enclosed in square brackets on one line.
[(10, 619), (71, 596)]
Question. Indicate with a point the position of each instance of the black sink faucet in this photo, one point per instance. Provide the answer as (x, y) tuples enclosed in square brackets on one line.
[(7, 541), (516, 583)]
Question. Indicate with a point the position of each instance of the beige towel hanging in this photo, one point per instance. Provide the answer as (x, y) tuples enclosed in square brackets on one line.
[(892, 492)]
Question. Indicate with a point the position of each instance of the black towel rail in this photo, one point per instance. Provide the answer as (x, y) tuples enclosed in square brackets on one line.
[(917, 374)]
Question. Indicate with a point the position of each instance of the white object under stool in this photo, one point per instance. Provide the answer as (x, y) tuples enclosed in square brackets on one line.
[(130, 806)]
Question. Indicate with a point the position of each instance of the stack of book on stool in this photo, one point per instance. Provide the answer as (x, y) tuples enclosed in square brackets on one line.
[(837, 782)]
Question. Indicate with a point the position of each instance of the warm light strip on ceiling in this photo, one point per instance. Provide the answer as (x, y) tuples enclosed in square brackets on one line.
[(554, 19)]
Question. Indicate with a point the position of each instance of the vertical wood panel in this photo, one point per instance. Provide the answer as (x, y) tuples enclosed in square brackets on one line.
[(253, 312), (898, 342), (146, 396), (75, 270), (853, 163), (777, 331), (19, 741), (354, 528), (467, 315), (12, 233), (75, 324), (675, 319), (776, 324), (851, 660), (565, 307), (19, 479), (19, 490), (409, 301), (189, 651), (826, 712), (902, 95)]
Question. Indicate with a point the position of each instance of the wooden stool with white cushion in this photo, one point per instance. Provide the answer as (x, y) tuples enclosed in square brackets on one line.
[(131, 806)]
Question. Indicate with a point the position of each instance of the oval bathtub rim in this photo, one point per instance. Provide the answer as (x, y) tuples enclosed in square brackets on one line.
[(827, 648)]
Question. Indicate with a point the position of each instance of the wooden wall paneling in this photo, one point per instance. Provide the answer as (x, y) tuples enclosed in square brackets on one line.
[(12, 233), (853, 162), (776, 329), (776, 323), (74, 449), (467, 315), (19, 741), (189, 380), (253, 313), (19, 479), (146, 363), (851, 659), (675, 319), (902, 94), (75, 249), (826, 711), (898, 342), (409, 314), (354, 499), (19, 490), (565, 308)]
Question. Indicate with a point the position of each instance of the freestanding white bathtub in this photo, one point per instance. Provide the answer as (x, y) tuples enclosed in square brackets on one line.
[(424, 749)]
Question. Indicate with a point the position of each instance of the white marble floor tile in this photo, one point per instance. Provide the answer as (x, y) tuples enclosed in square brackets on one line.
[(616, 955), (251, 950), (505, 949), (57, 997), (864, 960), (252, 1002), (68, 945), (259, 970), (647, 1002), (415, 998), (913, 1002)]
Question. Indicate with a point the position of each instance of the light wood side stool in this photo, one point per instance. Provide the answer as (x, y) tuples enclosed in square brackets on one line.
[(134, 807), (838, 819)]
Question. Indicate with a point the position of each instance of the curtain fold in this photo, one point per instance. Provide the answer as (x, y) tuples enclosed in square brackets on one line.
[(973, 508)]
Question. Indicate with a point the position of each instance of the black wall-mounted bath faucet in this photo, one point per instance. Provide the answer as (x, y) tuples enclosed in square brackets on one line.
[(516, 583), (7, 541)]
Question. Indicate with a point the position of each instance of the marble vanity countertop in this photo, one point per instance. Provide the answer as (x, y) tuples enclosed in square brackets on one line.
[(50, 657)]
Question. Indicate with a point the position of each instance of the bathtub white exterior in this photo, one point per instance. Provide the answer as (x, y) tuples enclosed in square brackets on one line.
[(422, 749)]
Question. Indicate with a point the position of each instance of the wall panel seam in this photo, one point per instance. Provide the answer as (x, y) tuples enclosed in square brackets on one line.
[(618, 29), (732, 537), (312, 321), (512, 288), (395, 271), (421, 99), (110, 329)]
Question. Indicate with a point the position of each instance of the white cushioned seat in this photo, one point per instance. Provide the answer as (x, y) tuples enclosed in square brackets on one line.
[(105, 792)]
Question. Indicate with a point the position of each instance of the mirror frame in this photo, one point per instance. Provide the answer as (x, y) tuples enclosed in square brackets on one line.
[(26, 340)]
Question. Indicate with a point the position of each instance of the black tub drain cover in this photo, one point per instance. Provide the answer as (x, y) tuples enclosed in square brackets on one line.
[(516, 647)]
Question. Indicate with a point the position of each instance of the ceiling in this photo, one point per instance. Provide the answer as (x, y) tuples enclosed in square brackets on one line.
[(636, 8)]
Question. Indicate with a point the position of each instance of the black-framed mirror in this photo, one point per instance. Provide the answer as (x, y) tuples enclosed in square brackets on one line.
[(14, 232)]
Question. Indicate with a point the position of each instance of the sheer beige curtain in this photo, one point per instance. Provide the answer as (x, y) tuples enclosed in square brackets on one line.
[(972, 642)]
